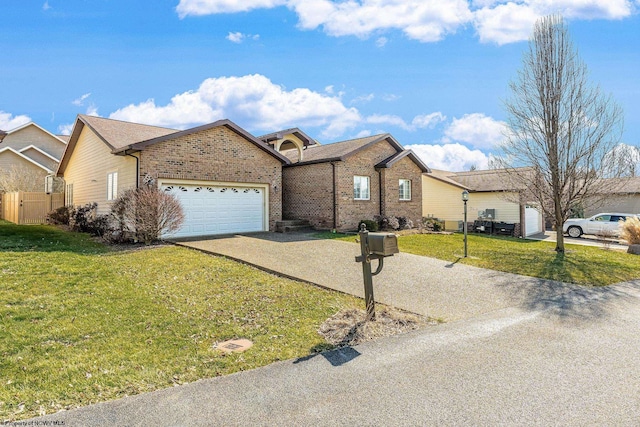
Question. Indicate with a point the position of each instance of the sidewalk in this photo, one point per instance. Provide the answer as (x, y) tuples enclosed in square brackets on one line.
[(422, 285)]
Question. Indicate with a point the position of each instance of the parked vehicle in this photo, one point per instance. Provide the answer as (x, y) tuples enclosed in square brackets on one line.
[(600, 223)]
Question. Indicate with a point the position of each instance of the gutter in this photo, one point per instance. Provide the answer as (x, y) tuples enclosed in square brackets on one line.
[(335, 207), (137, 168)]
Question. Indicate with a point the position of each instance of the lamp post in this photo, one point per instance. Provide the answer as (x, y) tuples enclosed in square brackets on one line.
[(465, 199)]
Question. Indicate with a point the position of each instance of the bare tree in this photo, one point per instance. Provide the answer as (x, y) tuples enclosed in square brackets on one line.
[(22, 178), (562, 127)]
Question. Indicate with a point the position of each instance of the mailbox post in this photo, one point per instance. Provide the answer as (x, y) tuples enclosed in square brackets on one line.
[(374, 246)]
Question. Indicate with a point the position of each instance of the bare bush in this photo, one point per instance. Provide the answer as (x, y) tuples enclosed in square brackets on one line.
[(630, 230), (146, 214)]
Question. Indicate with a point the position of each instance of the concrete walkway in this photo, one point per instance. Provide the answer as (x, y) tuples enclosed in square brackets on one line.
[(440, 289)]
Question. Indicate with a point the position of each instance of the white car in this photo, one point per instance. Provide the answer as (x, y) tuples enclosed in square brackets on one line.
[(604, 222)]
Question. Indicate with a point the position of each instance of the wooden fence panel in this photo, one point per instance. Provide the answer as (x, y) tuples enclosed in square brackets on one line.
[(29, 208)]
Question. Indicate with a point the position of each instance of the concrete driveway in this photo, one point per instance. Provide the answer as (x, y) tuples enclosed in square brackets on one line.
[(441, 289), (584, 240)]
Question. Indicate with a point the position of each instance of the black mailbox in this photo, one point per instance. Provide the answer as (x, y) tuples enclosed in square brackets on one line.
[(383, 244)]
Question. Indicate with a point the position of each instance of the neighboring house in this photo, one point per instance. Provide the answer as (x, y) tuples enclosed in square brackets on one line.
[(624, 197), (335, 186), (492, 197), (31, 149), (227, 180)]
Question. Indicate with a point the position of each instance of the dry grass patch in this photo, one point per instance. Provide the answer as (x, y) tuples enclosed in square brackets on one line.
[(349, 326)]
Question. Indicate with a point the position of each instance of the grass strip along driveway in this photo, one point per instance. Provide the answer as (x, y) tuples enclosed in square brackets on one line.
[(583, 265), (82, 323)]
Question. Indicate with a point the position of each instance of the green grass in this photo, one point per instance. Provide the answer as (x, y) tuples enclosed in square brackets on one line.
[(582, 265), (80, 323)]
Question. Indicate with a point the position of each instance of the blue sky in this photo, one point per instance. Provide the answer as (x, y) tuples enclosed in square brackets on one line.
[(433, 73)]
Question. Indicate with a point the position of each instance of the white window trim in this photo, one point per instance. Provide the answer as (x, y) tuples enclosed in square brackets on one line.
[(368, 195), (112, 185), (400, 195)]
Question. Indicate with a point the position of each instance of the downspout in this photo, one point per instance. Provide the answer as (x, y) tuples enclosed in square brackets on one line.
[(137, 169), (335, 207), (380, 189)]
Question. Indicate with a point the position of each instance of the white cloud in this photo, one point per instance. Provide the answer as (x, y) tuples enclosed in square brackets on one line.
[(476, 129), (389, 97), (253, 101), (235, 37), (450, 157), (498, 21), (238, 37), (363, 98), (512, 21), (428, 120), (92, 110), (209, 7), (9, 121), (423, 20), (65, 129), (46, 6), (381, 42), (423, 121), (80, 101)]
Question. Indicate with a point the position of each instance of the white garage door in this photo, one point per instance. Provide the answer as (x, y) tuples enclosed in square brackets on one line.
[(533, 220), (216, 209)]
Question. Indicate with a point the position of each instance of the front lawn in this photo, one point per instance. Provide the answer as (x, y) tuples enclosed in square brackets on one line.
[(80, 323), (582, 265)]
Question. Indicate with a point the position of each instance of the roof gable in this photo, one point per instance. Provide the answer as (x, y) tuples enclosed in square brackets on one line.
[(340, 151), (389, 162), (35, 125), (226, 123), (8, 151)]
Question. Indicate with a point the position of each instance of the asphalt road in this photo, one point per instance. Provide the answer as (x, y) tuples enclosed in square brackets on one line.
[(573, 361)]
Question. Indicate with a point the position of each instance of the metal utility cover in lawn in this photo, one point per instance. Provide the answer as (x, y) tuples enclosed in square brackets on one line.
[(234, 345)]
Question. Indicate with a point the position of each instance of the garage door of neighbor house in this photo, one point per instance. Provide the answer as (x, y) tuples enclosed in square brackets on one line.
[(533, 220), (219, 209)]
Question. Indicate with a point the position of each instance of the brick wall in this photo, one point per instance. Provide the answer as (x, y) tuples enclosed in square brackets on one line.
[(350, 211), (308, 194), (216, 154), (392, 205)]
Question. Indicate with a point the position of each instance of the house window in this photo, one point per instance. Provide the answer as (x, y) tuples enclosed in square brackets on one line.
[(112, 186), (361, 188), (405, 189), (68, 195)]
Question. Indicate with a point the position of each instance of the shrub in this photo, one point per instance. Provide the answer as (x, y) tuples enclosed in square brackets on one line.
[(404, 223), (630, 230), (85, 219), (59, 216), (370, 224), (145, 214), (431, 224)]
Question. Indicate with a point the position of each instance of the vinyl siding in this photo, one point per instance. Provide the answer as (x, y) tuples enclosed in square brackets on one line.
[(31, 135), (444, 201), (8, 159), (89, 165)]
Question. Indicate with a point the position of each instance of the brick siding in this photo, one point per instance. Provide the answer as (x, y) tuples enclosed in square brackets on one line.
[(216, 154), (308, 190), (392, 205)]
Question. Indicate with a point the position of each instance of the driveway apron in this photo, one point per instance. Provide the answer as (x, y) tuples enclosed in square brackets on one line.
[(440, 289)]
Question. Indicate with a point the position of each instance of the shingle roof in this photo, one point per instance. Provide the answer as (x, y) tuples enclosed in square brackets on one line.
[(479, 180), (335, 151), (118, 134)]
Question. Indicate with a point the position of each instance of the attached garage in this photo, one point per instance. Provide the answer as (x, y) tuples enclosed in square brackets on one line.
[(533, 221), (212, 208)]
